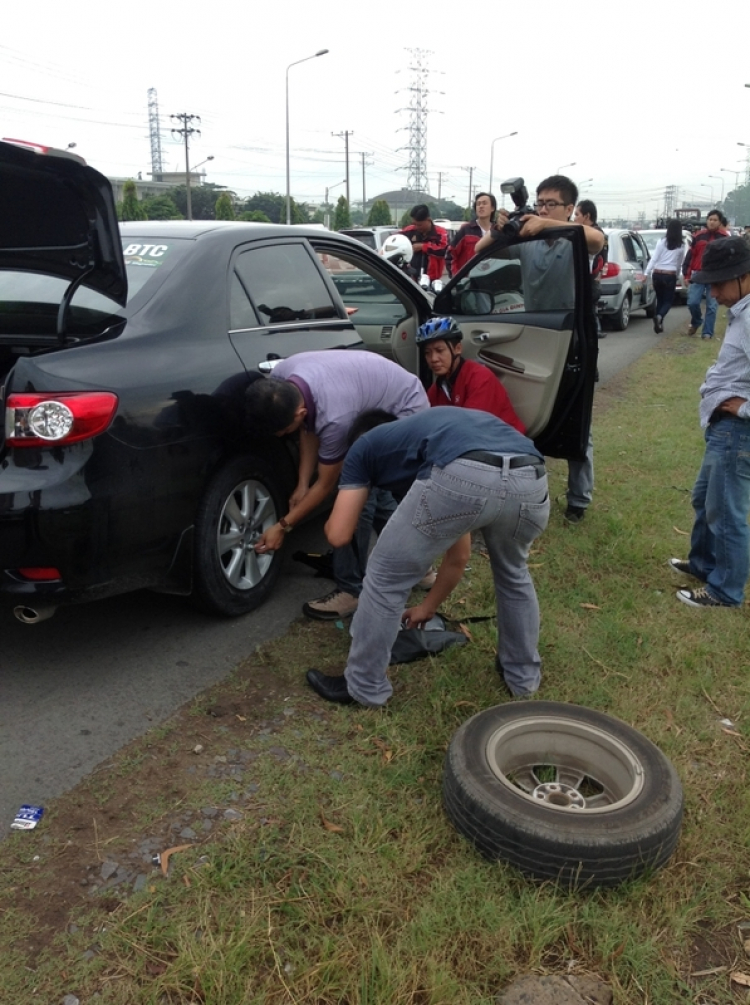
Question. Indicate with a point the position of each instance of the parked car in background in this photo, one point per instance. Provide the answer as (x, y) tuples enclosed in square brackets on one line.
[(651, 238), (624, 285), (124, 356), (373, 237)]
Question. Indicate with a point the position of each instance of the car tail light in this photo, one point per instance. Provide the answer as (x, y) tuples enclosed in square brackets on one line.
[(610, 269), (40, 575), (48, 420)]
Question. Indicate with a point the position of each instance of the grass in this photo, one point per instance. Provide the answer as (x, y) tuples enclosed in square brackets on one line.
[(344, 883)]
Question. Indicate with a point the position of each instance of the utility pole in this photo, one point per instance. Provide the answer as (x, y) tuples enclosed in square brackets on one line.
[(346, 134), (364, 190), (471, 179), (440, 184), (186, 132)]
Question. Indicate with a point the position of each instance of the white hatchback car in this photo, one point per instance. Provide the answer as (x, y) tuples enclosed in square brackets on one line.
[(651, 238), (624, 286)]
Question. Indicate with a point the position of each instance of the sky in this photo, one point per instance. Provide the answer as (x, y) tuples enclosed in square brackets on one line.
[(626, 99)]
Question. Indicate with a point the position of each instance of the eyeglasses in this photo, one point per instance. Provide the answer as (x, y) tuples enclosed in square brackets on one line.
[(548, 204)]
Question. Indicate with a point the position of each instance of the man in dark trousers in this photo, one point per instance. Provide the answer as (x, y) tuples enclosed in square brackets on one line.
[(455, 470)]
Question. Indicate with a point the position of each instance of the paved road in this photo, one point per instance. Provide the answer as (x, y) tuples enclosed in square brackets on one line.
[(79, 686)]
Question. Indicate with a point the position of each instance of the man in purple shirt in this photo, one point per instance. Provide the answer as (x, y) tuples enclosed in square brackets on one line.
[(321, 394)]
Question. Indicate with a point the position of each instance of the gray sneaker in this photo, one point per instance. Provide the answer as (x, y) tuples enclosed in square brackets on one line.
[(333, 606)]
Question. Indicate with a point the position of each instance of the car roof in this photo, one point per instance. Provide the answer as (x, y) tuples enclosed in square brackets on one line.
[(59, 219), (194, 229)]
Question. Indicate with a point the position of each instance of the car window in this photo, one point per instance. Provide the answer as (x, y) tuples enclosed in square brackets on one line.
[(629, 246), (284, 284), (355, 286), (364, 236), (145, 260), (241, 311), (532, 276)]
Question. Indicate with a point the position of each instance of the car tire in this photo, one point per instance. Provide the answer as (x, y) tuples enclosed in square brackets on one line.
[(621, 319), (242, 500), (563, 793)]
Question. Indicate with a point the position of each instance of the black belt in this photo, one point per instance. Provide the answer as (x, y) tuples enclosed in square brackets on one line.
[(498, 461)]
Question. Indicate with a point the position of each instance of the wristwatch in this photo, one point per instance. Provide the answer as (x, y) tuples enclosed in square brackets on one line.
[(286, 527)]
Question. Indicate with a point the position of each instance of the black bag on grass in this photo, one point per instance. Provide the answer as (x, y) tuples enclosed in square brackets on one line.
[(432, 638)]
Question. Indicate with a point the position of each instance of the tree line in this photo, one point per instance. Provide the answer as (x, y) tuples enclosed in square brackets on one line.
[(214, 202)]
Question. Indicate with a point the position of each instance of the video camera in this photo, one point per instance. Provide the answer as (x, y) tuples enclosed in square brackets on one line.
[(515, 188)]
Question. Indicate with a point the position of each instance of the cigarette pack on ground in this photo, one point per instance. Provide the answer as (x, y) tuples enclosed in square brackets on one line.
[(27, 818)]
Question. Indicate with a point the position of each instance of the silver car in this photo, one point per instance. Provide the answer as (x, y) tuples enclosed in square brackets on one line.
[(651, 238), (624, 285)]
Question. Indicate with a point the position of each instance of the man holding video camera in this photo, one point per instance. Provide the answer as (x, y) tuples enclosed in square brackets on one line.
[(548, 280)]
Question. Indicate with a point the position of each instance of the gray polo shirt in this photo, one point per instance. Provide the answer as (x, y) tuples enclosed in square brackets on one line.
[(339, 384)]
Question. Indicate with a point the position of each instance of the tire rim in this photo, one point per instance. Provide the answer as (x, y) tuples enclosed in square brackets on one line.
[(248, 511), (625, 312), (565, 766)]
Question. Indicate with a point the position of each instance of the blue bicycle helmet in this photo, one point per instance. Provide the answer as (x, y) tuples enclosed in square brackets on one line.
[(439, 328)]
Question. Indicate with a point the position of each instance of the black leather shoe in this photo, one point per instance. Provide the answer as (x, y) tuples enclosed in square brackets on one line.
[(330, 688)]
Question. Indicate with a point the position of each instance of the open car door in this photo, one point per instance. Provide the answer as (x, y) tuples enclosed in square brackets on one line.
[(525, 310)]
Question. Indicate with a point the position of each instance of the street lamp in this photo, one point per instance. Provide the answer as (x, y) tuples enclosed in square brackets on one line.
[(736, 176), (492, 152), (719, 178), (195, 167), (704, 184), (583, 184), (571, 165), (320, 52)]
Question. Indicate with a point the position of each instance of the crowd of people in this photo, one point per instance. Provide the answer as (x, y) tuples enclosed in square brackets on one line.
[(424, 476)]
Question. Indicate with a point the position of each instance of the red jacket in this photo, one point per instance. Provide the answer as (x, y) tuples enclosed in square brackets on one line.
[(474, 386), (701, 240), (462, 246), (431, 259)]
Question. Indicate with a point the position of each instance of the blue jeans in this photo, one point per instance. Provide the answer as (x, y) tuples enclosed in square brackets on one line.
[(511, 507), (694, 297), (350, 561), (720, 542)]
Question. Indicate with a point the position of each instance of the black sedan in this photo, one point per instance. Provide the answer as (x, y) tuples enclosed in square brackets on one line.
[(124, 459)]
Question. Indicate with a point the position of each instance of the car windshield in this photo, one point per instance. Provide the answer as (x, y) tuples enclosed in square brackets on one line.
[(651, 238)]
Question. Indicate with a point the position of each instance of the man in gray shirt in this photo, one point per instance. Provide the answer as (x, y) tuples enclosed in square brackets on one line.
[(720, 540)]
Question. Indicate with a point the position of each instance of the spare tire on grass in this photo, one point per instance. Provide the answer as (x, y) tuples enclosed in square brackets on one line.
[(563, 792)]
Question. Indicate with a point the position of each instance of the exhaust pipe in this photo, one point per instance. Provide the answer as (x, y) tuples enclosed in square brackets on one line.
[(32, 615)]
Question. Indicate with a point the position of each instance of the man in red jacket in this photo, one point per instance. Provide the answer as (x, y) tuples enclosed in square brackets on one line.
[(429, 243), (458, 381), (715, 227)]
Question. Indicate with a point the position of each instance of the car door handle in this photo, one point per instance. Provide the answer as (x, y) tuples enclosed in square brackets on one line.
[(267, 365)]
